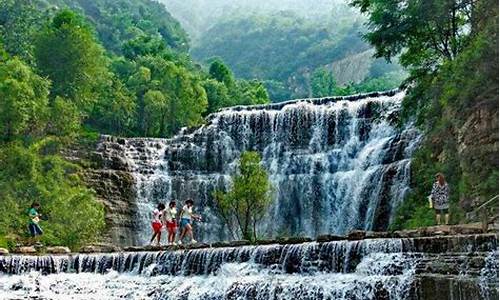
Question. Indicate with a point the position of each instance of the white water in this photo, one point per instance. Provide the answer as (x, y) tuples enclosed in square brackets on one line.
[(233, 281), (335, 165)]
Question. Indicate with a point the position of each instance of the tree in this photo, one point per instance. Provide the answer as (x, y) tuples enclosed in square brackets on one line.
[(23, 100), (18, 23), (67, 52), (186, 98), (220, 72), (115, 112), (217, 95), (425, 32), (245, 204), (75, 217), (322, 83)]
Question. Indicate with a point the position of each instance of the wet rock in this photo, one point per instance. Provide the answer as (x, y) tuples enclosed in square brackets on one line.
[(267, 242), (294, 240), (329, 238), (377, 235), (219, 244), (356, 235), (25, 250), (100, 248), (58, 250), (406, 233), (4, 251)]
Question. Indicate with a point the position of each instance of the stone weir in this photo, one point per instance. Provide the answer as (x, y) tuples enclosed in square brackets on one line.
[(336, 165), (435, 267)]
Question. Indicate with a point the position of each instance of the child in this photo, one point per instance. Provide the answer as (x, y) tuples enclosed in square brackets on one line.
[(34, 228), (170, 221), (186, 219), (156, 224)]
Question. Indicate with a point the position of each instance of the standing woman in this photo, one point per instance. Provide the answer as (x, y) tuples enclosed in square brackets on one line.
[(156, 223), (439, 196), (170, 221), (187, 217)]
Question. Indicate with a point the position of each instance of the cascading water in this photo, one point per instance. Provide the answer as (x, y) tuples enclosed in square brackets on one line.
[(381, 269), (336, 164)]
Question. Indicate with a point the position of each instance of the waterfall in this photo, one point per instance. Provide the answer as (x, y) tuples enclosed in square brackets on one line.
[(336, 164), (366, 269)]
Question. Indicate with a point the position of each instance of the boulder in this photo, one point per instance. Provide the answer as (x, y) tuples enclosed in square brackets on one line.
[(329, 238), (100, 248), (377, 235), (25, 250), (4, 251), (294, 240), (239, 243), (58, 250), (356, 235)]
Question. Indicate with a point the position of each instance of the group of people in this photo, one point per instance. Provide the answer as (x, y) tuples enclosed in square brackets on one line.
[(170, 219)]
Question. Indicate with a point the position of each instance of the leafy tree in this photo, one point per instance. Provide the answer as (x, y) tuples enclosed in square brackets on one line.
[(425, 32), (23, 97), (217, 95), (181, 89), (118, 21), (26, 175), (221, 73), (115, 112), (245, 204), (143, 45), (68, 54), (322, 83), (18, 23)]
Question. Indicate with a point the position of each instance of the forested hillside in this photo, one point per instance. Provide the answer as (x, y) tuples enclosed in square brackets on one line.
[(71, 70), (298, 48), (451, 51)]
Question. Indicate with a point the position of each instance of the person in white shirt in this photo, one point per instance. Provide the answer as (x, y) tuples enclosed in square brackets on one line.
[(156, 223), (170, 221), (187, 216)]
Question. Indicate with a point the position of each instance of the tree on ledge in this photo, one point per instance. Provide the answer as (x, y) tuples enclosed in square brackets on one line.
[(248, 199)]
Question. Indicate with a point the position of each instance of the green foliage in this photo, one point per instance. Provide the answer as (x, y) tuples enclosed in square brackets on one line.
[(18, 23), (282, 49), (26, 175), (322, 83), (118, 21), (246, 203), (424, 32), (221, 73), (69, 55), (24, 98), (453, 84)]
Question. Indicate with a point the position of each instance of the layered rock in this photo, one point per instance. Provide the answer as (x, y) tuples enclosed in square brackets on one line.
[(313, 149)]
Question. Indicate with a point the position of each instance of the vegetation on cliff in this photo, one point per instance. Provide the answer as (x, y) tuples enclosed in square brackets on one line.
[(247, 201), (451, 50)]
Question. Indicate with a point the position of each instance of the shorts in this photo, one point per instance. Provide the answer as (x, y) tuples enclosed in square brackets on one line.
[(442, 211), (185, 222), (172, 226), (156, 226), (35, 229)]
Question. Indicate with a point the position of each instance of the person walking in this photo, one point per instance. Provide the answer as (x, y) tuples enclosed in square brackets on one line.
[(157, 224), (439, 197), (33, 225), (170, 221), (187, 216)]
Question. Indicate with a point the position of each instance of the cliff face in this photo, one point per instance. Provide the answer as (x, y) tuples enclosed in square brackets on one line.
[(477, 145), (106, 173)]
